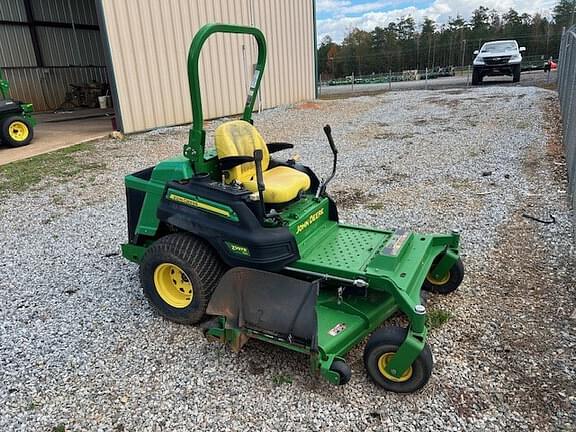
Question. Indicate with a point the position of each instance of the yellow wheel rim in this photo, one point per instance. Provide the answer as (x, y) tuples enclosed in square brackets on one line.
[(383, 363), (173, 285), (435, 281), (18, 131)]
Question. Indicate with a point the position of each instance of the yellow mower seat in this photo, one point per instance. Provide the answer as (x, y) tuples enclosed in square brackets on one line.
[(240, 138)]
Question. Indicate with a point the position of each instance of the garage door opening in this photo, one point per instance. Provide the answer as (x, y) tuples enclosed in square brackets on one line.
[(51, 53)]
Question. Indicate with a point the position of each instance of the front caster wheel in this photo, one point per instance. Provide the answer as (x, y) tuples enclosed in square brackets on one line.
[(342, 369), (380, 350), (448, 283)]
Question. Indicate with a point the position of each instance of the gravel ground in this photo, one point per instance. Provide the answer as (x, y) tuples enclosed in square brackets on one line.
[(81, 350)]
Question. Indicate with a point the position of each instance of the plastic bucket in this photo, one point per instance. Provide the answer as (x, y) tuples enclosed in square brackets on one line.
[(102, 100)]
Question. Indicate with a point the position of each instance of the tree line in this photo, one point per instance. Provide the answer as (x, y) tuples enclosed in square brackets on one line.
[(401, 46)]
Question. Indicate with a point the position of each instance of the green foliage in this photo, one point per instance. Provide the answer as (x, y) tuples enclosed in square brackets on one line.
[(281, 379), (402, 46), (436, 318), (565, 13)]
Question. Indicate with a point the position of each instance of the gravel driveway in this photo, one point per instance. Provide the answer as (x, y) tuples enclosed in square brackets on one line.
[(81, 350)]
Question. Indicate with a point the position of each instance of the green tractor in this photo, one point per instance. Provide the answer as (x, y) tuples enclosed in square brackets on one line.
[(250, 246), (16, 120)]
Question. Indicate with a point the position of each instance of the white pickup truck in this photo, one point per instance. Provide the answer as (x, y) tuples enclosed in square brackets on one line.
[(497, 58)]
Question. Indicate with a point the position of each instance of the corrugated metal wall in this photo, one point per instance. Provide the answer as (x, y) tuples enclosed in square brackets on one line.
[(149, 41), (46, 87), (68, 56)]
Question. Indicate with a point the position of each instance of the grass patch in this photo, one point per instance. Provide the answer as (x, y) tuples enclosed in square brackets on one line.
[(436, 318), (61, 164), (59, 428), (281, 379)]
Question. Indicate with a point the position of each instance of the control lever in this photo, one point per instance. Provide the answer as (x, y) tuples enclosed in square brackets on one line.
[(258, 155), (322, 188)]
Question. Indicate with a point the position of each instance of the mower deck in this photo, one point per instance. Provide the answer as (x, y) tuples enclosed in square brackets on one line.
[(367, 276)]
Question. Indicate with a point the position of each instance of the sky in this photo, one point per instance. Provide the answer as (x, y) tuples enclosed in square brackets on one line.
[(337, 17)]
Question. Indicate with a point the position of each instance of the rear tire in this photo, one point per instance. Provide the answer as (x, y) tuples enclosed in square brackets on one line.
[(381, 346), (16, 131), (516, 73), (178, 274)]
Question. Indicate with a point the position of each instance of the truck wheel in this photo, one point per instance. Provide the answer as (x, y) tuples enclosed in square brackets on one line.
[(178, 274), (379, 351), (516, 73), (476, 77), (448, 283), (16, 131)]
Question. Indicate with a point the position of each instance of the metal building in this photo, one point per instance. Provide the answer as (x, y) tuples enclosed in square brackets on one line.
[(140, 48)]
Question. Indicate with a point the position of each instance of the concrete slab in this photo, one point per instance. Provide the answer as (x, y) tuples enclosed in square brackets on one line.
[(51, 136)]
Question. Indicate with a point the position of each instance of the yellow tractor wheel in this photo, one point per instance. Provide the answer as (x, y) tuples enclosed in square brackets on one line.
[(178, 274), (16, 131)]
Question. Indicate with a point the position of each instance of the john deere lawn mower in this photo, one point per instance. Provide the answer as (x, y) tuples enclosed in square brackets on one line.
[(251, 246), (16, 120)]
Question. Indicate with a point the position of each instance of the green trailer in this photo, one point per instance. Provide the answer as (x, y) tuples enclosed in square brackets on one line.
[(16, 119), (251, 247)]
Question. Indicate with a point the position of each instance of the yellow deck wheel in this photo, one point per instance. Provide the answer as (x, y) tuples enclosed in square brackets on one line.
[(440, 281), (18, 131), (173, 285), (383, 363)]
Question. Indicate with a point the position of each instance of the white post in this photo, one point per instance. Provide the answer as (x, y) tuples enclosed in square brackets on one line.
[(352, 81), (390, 79), (426, 84)]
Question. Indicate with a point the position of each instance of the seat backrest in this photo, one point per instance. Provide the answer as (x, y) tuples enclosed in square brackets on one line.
[(240, 138)]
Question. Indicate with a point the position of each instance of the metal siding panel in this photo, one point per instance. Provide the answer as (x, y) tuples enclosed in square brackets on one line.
[(12, 10), (46, 87), (128, 28), (16, 46), (59, 47), (149, 42), (83, 11), (117, 48)]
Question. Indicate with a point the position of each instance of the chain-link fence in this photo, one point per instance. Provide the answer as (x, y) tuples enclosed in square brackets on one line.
[(567, 94)]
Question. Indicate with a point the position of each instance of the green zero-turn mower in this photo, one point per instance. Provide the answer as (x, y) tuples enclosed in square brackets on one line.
[(16, 120), (255, 244)]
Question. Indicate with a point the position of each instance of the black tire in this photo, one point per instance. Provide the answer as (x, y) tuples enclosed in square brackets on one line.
[(516, 73), (201, 266), (476, 77), (387, 340), (455, 277), (343, 370), (8, 125)]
